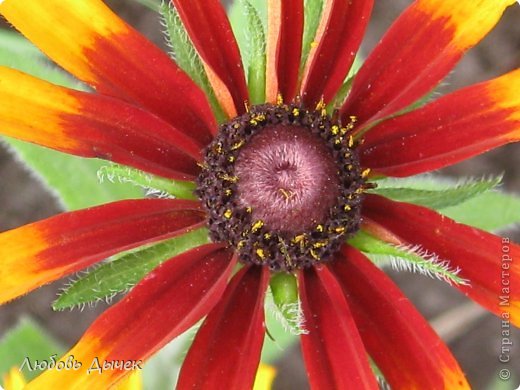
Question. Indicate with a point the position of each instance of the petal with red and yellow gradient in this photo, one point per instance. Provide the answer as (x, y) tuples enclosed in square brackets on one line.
[(408, 63), (92, 43), (451, 129), (44, 251), (488, 262), (167, 302), (339, 35), (210, 31), (91, 125), (284, 48), (404, 346), (334, 355), (226, 349)]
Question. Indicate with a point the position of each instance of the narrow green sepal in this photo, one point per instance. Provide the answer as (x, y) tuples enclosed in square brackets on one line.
[(313, 12), (284, 288), (406, 258), (186, 55), (491, 211), (153, 5), (154, 185), (123, 271), (437, 197), (287, 307), (257, 54)]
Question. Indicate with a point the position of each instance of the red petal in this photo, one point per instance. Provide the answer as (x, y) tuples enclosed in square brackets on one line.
[(402, 343), (114, 58), (485, 260), (284, 48), (209, 29), (334, 354), (44, 251), (408, 63), (92, 125), (453, 128), (341, 29), (167, 302), (226, 350)]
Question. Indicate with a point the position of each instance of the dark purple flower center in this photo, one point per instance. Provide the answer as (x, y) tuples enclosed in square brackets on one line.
[(283, 185), (288, 178)]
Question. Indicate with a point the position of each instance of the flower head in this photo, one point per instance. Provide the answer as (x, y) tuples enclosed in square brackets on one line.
[(282, 182)]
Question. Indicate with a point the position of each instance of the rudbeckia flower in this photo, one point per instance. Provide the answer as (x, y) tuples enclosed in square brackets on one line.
[(282, 182)]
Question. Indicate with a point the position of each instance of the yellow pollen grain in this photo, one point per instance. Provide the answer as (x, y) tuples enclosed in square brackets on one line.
[(319, 228), (320, 244), (350, 141), (226, 177), (296, 111), (279, 99), (340, 229), (249, 210), (218, 148), (347, 207), (286, 194), (231, 159), (365, 173), (298, 239), (228, 192), (257, 226), (260, 253), (238, 145), (314, 254), (334, 129), (228, 214), (259, 117), (267, 236), (321, 105)]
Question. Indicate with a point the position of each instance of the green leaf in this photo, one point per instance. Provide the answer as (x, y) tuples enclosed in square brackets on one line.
[(313, 11), (280, 337), (26, 341), (413, 259), (240, 23), (257, 61), (18, 53), (490, 211), (72, 179), (154, 185), (153, 5), (125, 270), (477, 204), (440, 197), (187, 57), (287, 308)]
